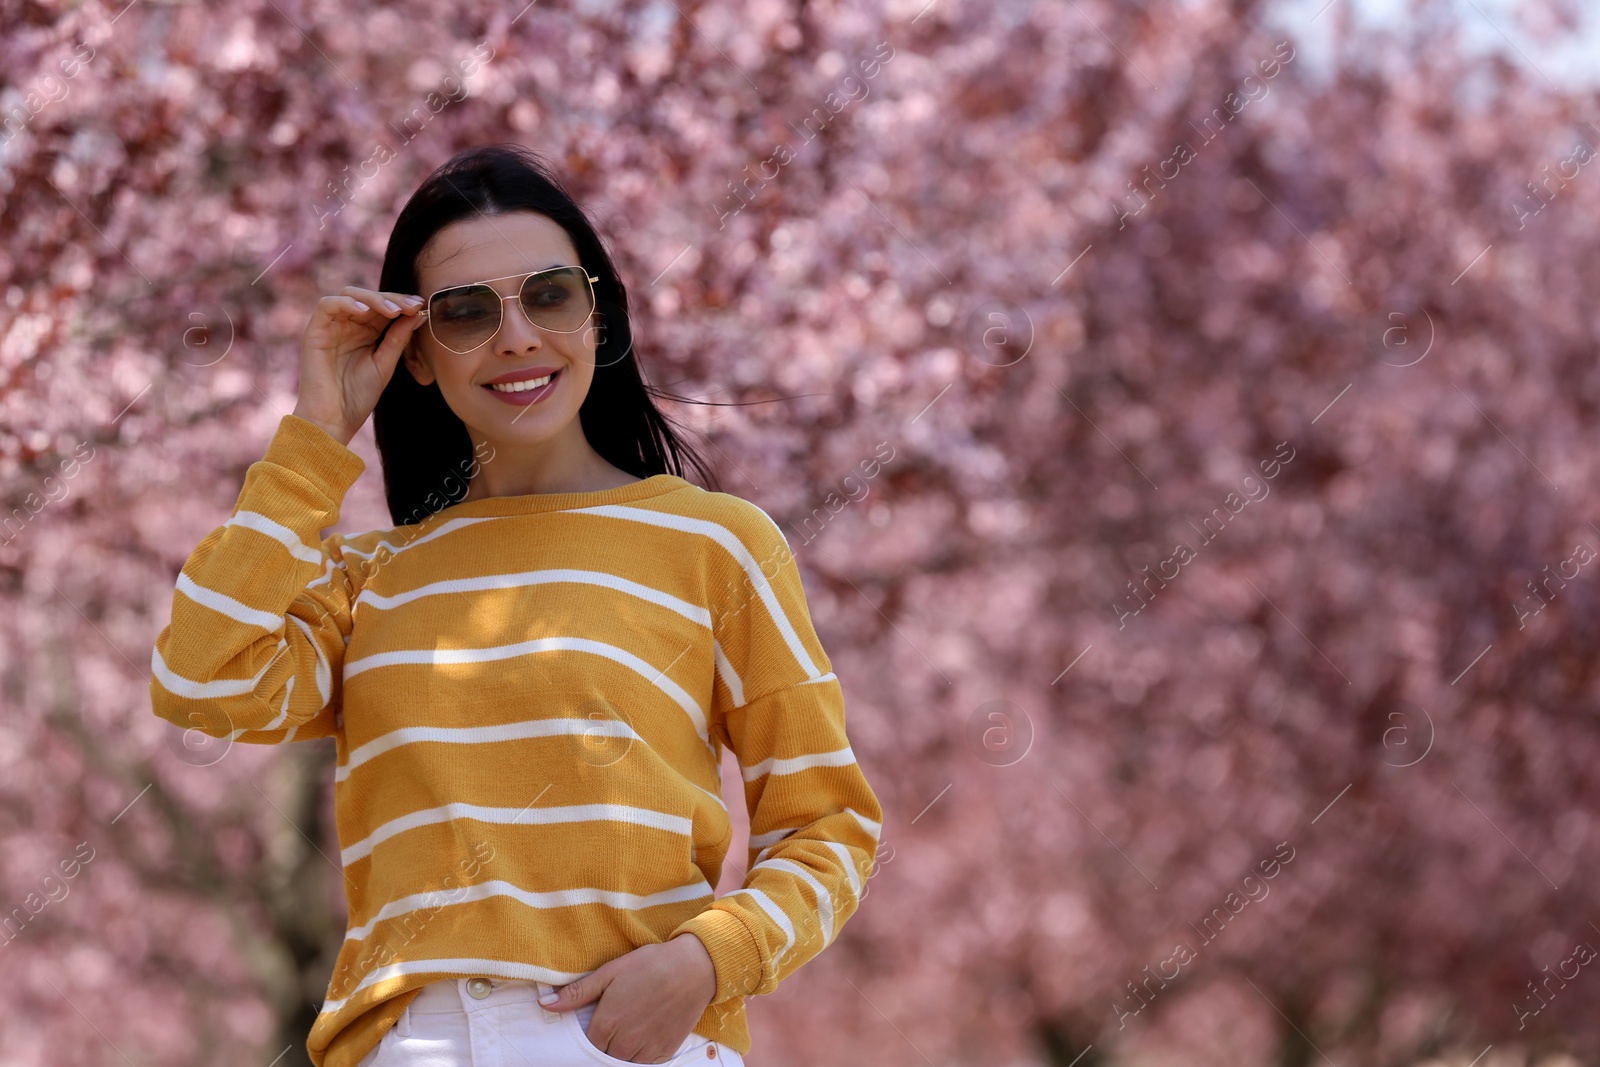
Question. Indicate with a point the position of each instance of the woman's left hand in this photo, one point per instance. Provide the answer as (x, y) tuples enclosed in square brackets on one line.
[(653, 996)]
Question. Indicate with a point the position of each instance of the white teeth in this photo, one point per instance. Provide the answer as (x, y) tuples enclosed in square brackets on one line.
[(522, 387)]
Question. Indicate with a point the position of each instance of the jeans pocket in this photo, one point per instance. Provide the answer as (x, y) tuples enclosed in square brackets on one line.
[(575, 1030), (691, 1053)]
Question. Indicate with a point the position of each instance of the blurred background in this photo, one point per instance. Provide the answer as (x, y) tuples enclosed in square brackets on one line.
[(1237, 365)]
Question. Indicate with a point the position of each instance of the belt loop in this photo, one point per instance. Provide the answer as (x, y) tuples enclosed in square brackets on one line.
[(540, 989), (403, 1025)]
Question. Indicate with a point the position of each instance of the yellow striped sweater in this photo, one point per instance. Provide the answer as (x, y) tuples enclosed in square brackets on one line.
[(529, 696)]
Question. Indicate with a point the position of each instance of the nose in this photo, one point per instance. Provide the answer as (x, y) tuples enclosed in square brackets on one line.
[(516, 334)]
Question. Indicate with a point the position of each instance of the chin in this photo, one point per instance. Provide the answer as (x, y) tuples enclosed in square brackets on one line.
[(524, 426)]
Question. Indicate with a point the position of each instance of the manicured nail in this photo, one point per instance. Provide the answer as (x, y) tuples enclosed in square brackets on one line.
[(549, 998), (391, 305), (414, 300)]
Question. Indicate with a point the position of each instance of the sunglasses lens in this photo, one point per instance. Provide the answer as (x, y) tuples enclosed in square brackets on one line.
[(464, 318), (558, 300)]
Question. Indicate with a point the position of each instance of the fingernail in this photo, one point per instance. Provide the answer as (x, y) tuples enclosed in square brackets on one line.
[(391, 305), (413, 300), (549, 998)]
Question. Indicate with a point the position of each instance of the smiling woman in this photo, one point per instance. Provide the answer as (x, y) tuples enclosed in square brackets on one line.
[(514, 380), (564, 594), (488, 219)]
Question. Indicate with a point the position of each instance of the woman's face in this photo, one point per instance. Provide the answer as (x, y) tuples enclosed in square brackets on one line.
[(476, 250)]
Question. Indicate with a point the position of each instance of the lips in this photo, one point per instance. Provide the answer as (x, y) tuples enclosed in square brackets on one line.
[(522, 385), (521, 375), (522, 389)]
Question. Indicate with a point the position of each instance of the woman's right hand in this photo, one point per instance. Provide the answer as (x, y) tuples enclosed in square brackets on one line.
[(343, 368)]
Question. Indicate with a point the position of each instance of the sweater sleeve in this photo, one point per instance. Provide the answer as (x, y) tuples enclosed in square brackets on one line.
[(261, 615), (814, 820)]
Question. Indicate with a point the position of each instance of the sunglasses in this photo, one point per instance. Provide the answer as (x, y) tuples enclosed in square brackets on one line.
[(463, 317)]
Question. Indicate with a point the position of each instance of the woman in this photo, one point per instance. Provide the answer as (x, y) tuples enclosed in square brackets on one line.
[(530, 678)]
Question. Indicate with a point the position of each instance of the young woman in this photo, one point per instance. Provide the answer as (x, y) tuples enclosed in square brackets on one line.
[(530, 677)]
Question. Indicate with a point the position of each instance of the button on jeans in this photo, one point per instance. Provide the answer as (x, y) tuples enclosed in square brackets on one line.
[(497, 1022)]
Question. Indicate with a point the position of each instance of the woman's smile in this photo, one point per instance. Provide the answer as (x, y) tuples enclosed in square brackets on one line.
[(525, 391)]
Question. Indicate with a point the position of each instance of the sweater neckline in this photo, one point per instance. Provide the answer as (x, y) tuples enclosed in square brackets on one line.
[(533, 503)]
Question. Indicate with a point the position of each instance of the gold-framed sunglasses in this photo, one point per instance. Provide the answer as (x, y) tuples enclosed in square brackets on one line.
[(463, 317)]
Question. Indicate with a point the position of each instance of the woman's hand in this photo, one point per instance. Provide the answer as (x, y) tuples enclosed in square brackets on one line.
[(653, 997), (343, 368)]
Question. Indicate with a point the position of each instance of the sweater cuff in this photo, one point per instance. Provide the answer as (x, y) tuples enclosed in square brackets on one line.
[(317, 456), (734, 953)]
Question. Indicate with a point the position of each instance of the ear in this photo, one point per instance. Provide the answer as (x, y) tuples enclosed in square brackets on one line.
[(416, 363)]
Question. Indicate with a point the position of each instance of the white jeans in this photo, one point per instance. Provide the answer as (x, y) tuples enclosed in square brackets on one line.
[(447, 1026)]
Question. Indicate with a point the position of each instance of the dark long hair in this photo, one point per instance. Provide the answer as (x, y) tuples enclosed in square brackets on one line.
[(424, 447)]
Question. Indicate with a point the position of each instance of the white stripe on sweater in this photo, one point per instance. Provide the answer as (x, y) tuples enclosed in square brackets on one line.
[(847, 861), (324, 672), (659, 820), (823, 900), (540, 577), (873, 829), (434, 899), (236, 610), (478, 735), (181, 686), (395, 550), (772, 837), (254, 520), (325, 578), (736, 548), (730, 677), (483, 735), (779, 917), (841, 757), (692, 612), (178, 685), (439, 656)]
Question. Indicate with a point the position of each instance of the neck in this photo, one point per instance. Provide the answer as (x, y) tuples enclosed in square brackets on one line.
[(566, 463)]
